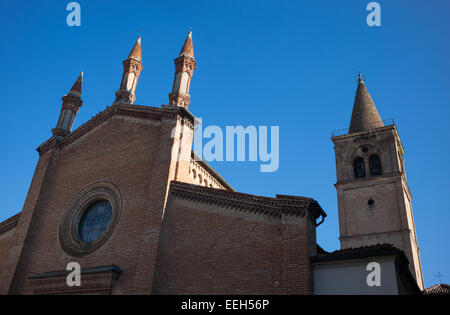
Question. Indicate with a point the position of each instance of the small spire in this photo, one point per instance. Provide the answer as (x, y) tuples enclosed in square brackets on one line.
[(365, 115), (76, 88), (188, 49), (69, 109), (136, 51)]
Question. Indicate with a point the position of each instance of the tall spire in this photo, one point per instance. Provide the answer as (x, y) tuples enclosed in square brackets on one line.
[(69, 109), (188, 49), (132, 68), (365, 115), (76, 87), (185, 65), (136, 51)]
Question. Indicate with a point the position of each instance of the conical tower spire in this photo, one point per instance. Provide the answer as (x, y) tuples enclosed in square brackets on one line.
[(69, 109), (132, 68), (76, 87), (365, 115), (188, 48), (136, 51)]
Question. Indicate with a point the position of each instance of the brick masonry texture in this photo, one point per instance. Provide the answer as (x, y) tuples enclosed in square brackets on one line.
[(162, 248), (207, 249)]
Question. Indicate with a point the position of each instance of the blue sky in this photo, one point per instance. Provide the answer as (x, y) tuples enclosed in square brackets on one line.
[(291, 64)]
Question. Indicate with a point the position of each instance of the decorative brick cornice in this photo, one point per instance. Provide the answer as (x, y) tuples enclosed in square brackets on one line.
[(273, 207), (71, 102), (136, 111), (9, 223), (47, 145), (179, 99), (185, 64), (132, 65)]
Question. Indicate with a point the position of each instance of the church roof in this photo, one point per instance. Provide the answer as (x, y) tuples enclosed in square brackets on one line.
[(365, 115), (136, 51), (188, 48), (438, 289)]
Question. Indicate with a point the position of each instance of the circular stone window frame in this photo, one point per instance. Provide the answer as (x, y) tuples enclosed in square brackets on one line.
[(69, 227)]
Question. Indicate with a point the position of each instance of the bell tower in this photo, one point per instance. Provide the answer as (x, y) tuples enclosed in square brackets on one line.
[(374, 199)]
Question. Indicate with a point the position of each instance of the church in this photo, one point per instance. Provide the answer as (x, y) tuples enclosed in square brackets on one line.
[(125, 197)]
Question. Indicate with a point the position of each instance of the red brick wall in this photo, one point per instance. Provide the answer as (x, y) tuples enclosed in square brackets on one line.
[(206, 249), (200, 249), (10, 264), (135, 156)]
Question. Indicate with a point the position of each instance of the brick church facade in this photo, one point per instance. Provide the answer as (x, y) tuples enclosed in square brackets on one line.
[(126, 198)]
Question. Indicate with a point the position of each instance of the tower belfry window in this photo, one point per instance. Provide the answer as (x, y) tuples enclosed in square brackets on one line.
[(359, 167), (374, 165)]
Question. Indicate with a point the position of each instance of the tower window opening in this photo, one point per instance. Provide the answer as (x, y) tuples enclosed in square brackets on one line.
[(370, 202), (374, 165), (359, 167)]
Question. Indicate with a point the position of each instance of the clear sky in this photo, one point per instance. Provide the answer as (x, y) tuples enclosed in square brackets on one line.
[(291, 64)]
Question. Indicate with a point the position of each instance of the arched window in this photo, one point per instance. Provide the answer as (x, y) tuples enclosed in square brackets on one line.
[(374, 165), (359, 167)]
